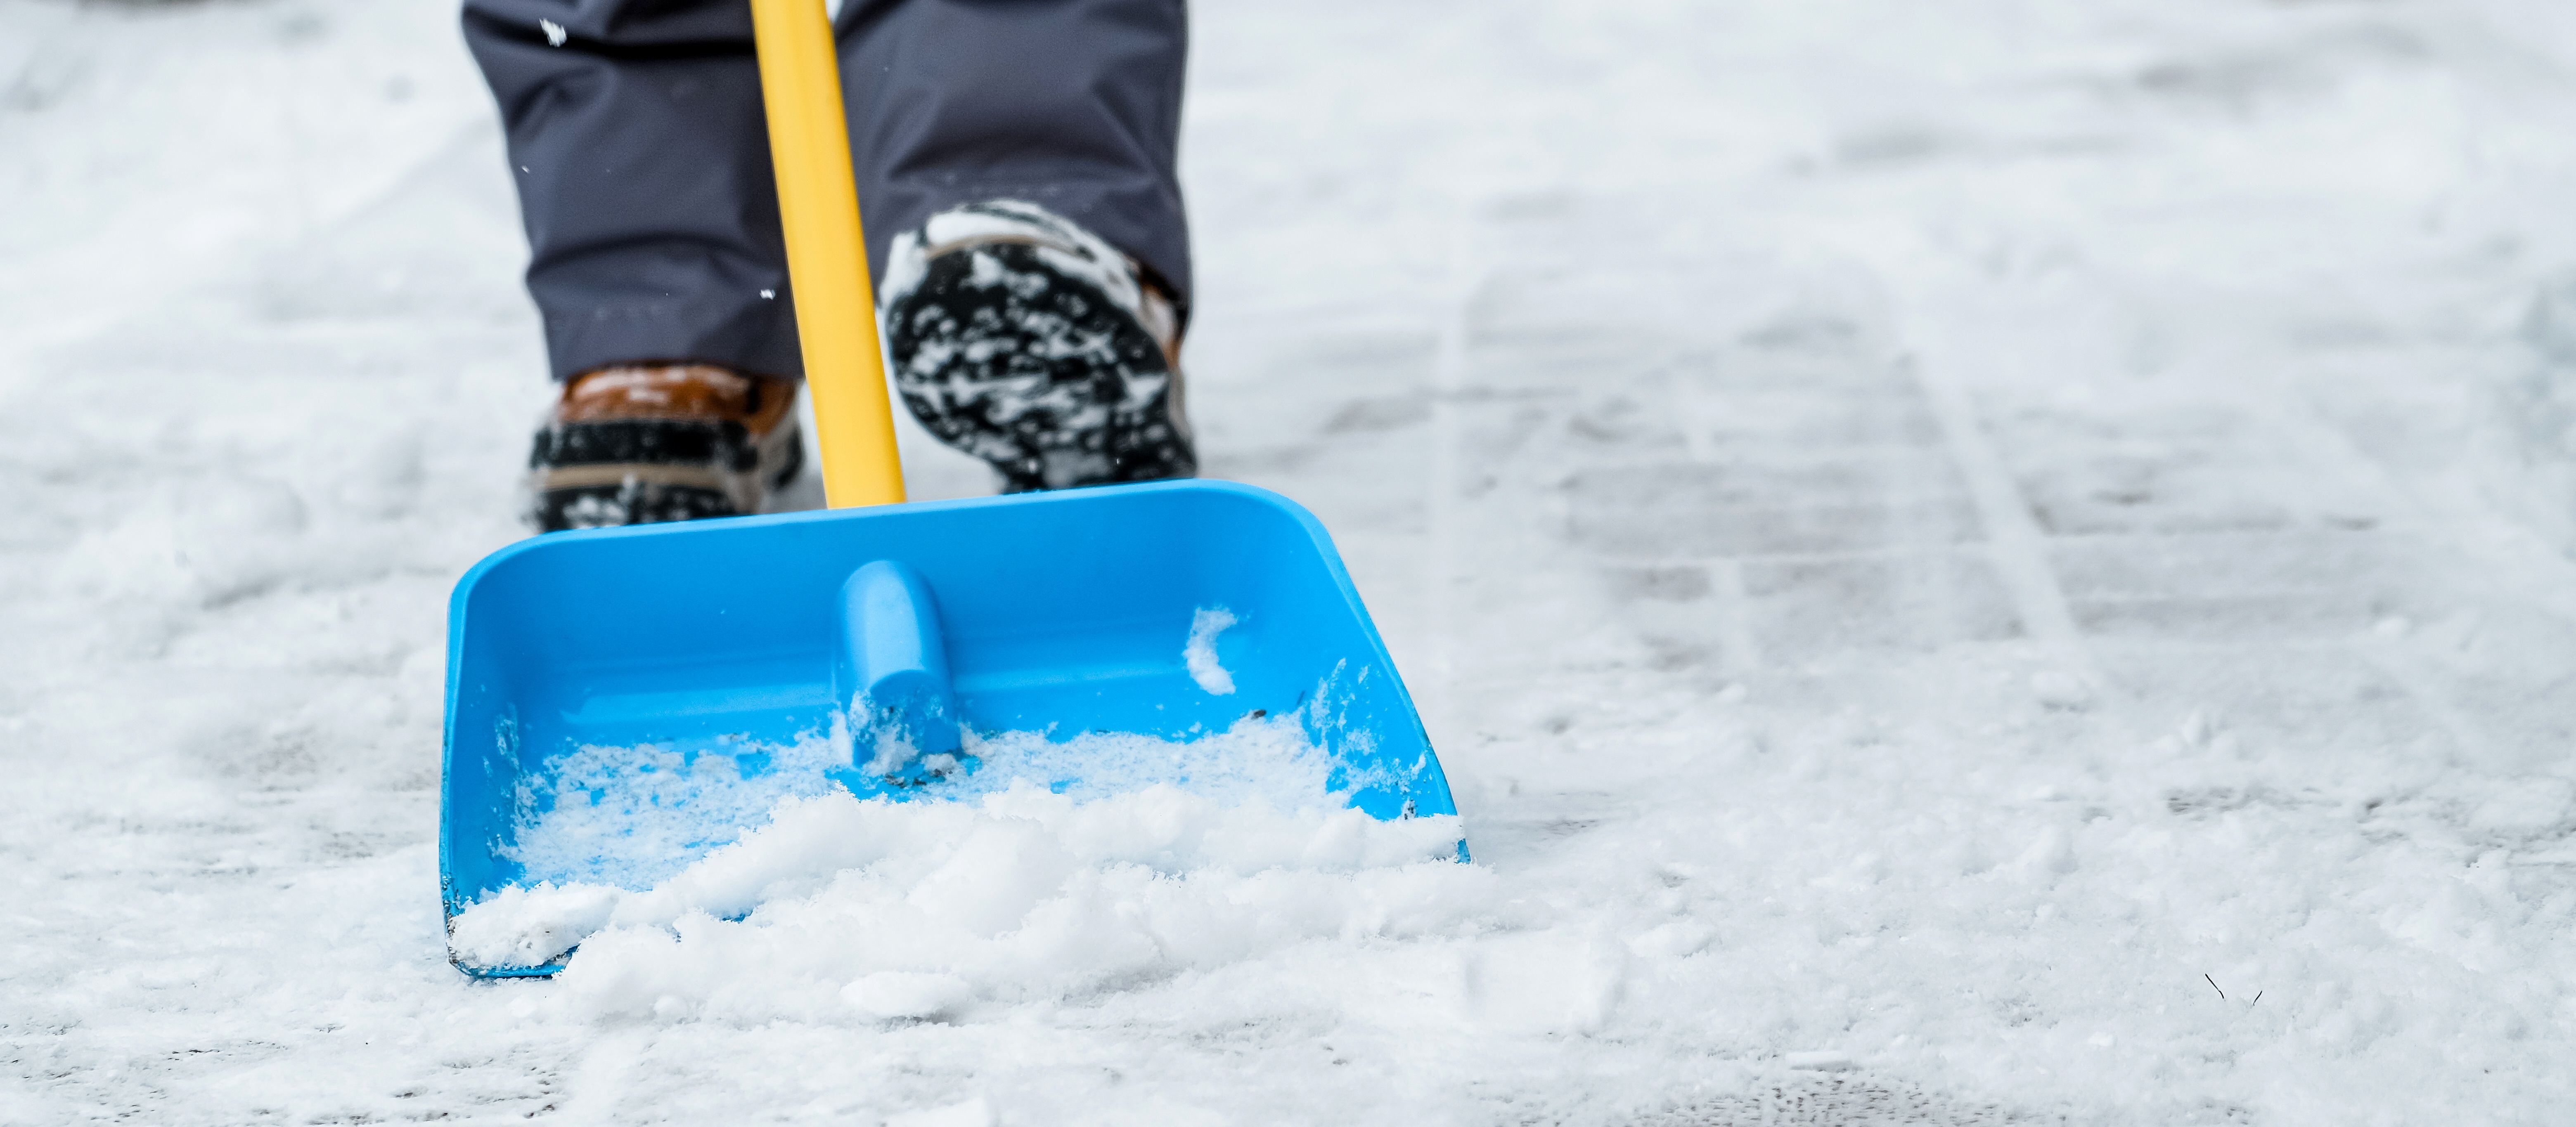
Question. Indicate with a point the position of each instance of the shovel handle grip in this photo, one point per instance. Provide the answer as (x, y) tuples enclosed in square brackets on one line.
[(827, 265)]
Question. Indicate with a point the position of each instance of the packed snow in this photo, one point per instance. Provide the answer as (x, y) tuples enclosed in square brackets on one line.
[(1982, 562), (634, 816)]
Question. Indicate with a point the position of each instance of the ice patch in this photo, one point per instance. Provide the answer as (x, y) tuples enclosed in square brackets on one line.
[(1201, 651), (1820, 1060)]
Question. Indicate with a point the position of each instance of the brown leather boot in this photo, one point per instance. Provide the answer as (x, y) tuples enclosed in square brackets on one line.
[(641, 443)]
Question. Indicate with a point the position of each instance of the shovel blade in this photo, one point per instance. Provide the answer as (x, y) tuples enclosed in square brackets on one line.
[(1067, 613)]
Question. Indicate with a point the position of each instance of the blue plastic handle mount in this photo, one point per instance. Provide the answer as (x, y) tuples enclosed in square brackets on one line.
[(892, 674)]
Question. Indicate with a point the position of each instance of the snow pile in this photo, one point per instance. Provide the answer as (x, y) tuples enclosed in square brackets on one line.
[(879, 909), (1053, 868), (632, 817)]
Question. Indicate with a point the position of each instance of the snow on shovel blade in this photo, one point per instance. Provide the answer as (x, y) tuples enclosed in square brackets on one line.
[(598, 677)]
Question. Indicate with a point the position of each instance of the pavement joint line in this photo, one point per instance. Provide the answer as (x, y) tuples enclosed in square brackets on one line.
[(1846, 555), (2016, 545)]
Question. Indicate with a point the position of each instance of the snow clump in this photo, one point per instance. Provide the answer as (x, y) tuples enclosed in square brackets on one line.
[(1201, 651)]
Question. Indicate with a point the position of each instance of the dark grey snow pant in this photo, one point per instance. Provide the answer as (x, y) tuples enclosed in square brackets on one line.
[(637, 139)]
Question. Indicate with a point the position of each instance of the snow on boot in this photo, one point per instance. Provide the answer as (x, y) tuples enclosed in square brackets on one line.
[(643, 443), (1020, 338)]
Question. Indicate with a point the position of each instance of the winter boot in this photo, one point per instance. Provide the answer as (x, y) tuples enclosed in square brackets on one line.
[(641, 443), (1026, 341)]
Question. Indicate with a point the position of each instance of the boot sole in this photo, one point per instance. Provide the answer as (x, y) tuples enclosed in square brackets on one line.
[(1034, 370)]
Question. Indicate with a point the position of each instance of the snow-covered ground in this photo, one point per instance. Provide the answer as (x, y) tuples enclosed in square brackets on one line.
[(1992, 561)]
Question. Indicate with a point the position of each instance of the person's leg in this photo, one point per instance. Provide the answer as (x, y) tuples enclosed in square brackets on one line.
[(1074, 105), (1016, 166), (642, 161), (637, 141)]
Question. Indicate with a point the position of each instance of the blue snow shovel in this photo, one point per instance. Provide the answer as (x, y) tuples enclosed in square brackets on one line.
[(1065, 613)]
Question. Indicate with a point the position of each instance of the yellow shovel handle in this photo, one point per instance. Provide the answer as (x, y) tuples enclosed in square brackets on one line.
[(827, 256)]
